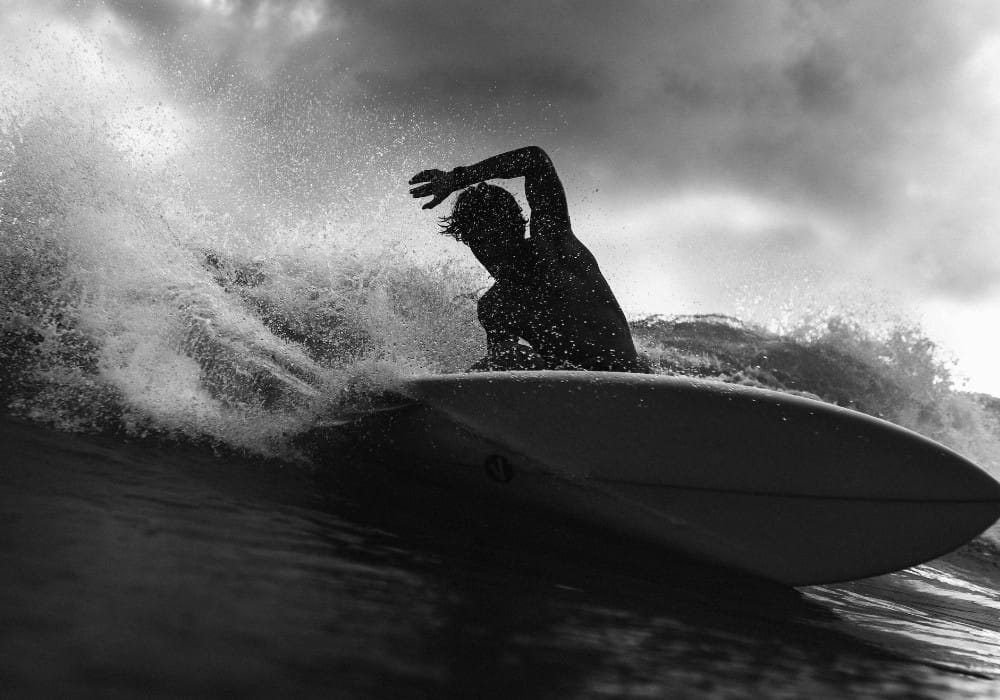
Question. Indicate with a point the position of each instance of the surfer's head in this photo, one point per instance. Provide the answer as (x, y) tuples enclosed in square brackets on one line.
[(489, 220)]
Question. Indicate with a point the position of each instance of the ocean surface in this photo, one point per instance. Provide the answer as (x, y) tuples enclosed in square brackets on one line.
[(181, 302), (137, 569)]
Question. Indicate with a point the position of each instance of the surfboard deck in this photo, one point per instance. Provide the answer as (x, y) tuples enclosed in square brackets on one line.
[(777, 486)]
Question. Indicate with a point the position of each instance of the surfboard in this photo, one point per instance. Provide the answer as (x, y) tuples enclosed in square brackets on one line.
[(774, 485)]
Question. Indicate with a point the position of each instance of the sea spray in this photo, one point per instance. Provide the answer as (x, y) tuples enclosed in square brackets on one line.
[(116, 314), (228, 267), (179, 282), (129, 302)]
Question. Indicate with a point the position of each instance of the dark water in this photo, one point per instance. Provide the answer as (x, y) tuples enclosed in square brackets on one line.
[(141, 570)]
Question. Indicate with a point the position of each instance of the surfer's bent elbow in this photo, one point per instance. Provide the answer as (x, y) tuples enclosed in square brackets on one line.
[(537, 159)]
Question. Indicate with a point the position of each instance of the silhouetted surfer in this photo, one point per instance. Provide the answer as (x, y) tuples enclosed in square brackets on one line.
[(548, 290)]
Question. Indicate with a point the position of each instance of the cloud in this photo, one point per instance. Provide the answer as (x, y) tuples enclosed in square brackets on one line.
[(803, 100), (874, 116)]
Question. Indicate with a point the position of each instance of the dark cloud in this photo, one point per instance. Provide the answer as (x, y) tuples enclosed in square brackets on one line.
[(830, 107), (800, 100), (520, 81)]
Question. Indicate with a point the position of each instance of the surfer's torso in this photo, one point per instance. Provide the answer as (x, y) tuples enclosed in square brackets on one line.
[(556, 299), (549, 292)]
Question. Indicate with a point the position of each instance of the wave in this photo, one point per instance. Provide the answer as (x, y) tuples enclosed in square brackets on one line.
[(128, 305), (120, 313), (180, 295)]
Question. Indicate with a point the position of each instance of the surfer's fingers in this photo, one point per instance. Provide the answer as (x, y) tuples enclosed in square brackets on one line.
[(423, 190), (434, 202), (425, 176)]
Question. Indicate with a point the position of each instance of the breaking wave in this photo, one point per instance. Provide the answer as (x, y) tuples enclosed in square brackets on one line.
[(207, 290)]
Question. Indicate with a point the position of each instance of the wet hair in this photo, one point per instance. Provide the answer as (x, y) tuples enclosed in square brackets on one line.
[(483, 206)]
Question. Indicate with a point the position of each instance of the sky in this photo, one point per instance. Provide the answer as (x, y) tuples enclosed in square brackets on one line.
[(762, 159)]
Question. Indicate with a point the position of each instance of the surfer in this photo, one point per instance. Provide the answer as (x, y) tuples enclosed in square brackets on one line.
[(549, 307)]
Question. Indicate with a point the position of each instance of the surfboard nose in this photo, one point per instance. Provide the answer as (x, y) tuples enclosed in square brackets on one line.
[(991, 489), (949, 476)]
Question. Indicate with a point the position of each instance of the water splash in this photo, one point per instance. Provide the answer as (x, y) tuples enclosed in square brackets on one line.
[(142, 293), (179, 266)]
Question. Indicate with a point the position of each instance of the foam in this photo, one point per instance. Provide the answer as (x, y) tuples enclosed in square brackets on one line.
[(113, 318)]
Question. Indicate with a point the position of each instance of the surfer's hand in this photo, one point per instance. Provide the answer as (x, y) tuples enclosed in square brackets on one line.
[(438, 185)]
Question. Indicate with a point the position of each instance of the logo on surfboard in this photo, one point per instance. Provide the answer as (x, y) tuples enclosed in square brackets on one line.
[(499, 469)]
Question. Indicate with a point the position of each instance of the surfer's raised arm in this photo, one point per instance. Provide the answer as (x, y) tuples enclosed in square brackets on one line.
[(549, 307), (542, 187)]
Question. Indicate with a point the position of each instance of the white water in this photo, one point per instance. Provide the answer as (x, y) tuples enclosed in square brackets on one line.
[(113, 196)]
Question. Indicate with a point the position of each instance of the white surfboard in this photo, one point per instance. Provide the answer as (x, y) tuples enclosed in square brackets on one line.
[(786, 488)]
